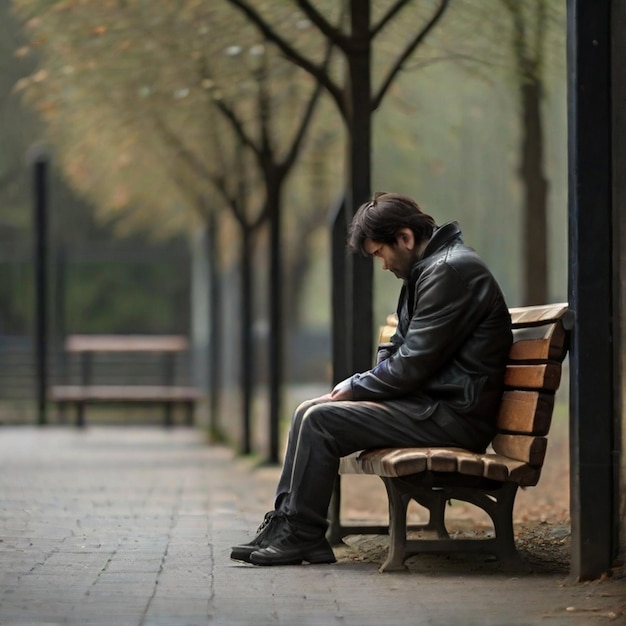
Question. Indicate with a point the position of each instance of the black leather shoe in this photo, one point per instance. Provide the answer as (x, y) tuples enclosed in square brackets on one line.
[(268, 529), (290, 548)]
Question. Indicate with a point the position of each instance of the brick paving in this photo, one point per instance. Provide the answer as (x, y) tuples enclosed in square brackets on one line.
[(132, 526)]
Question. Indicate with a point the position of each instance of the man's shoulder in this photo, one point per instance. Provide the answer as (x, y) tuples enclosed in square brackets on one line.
[(456, 256), (457, 264)]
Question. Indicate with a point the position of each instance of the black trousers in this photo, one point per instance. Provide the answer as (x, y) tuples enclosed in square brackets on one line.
[(322, 432)]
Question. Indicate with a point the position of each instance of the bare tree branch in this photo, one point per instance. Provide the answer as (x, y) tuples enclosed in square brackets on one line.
[(219, 181), (229, 113), (419, 38), (219, 152), (264, 107), (236, 199), (237, 126), (328, 30), (231, 201), (307, 115), (184, 153), (291, 53), (398, 6), (291, 155)]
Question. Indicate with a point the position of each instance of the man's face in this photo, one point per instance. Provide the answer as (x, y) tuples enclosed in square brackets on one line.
[(397, 258)]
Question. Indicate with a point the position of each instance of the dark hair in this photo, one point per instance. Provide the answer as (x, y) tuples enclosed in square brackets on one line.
[(380, 220)]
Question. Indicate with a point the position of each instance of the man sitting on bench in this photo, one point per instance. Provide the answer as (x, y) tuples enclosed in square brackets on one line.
[(438, 383)]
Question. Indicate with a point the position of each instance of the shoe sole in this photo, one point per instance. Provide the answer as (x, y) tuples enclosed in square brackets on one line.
[(312, 558), (243, 556)]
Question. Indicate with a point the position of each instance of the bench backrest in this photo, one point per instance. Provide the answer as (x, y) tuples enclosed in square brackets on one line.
[(533, 374), (540, 343)]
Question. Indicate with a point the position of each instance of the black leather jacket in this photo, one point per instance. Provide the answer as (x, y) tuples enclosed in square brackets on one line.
[(453, 337)]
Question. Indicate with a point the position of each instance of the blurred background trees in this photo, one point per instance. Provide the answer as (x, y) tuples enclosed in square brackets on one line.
[(165, 120)]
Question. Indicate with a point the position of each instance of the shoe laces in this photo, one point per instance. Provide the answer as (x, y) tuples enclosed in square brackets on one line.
[(268, 519), (290, 532)]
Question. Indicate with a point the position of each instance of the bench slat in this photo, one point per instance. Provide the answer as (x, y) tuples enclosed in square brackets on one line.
[(111, 393), (471, 464), (539, 343), (455, 460), (126, 343), (395, 462), (442, 460), (496, 467), (502, 468), (538, 315), (525, 448), (525, 412), (545, 376)]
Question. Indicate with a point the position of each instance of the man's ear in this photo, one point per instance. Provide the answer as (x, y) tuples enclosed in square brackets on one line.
[(405, 238)]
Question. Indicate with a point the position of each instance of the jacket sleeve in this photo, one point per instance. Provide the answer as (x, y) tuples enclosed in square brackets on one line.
[(384, 351), (447, 310)]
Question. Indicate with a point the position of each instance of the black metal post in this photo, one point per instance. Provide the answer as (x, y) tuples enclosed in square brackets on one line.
[(340, 358), (216, 330), (340, 348), (60, 322), (618, 79), (359, 269), (40, 164), (590, 288), (248, 346), (275, 347)]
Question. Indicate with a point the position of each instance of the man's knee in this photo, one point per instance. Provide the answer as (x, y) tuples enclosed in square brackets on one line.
[(318, 418), (299, 413)]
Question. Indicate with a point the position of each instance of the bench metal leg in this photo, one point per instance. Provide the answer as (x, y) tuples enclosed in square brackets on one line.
[(61, 412), (498, 504), (168, 415), (496, 501), (398, 504), (189, 413), (80, 414), (435, 501), (337, 531)]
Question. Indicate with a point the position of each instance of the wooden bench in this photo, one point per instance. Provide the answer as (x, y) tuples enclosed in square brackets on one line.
[(434, 476), (166, 394)]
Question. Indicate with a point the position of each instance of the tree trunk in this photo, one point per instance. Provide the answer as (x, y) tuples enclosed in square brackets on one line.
[(535, 222)]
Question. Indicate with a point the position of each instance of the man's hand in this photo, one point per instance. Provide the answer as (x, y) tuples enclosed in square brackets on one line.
[(342, 391)]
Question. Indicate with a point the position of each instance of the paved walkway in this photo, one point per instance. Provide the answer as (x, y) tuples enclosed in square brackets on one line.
[(133, 526)]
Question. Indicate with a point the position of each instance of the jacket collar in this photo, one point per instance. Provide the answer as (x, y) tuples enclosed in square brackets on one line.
[(442, 237)]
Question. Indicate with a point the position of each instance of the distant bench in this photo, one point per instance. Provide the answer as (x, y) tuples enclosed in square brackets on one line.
[(434, 476), (166, 394)]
